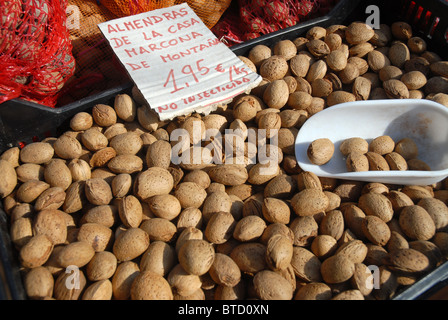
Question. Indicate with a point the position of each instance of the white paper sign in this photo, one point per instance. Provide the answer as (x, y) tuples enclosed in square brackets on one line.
[(177, 62)]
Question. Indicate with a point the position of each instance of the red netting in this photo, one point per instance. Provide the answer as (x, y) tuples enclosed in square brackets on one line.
[(97, 67), (250, 19), (35, 50)]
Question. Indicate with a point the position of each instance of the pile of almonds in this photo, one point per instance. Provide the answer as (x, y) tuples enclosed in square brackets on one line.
[(101, 212), (381, 154), (347, 63)]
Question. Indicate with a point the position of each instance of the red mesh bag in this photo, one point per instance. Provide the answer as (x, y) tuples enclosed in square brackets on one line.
[(229, 29), (262, 16), (35, 50), (253, 18)]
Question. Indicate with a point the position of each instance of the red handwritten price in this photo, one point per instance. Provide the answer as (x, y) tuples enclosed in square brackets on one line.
[(196, 71)]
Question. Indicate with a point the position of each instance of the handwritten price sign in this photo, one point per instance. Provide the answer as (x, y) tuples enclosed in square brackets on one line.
[(177, 62)]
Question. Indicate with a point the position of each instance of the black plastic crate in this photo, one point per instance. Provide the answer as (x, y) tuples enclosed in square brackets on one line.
[(22, 122)]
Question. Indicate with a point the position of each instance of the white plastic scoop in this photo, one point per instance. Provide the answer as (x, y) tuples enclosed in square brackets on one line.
[(424, 121)]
